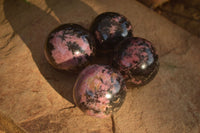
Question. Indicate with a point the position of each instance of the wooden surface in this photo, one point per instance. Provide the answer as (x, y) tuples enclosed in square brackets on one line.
[(39, 98)]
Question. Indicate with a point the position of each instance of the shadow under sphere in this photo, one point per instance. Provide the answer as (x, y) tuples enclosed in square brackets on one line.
[(33, 26)]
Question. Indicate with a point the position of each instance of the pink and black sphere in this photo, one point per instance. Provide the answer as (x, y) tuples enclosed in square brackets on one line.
[(109, 29), (69, 47), (99, 90), (137, 60)]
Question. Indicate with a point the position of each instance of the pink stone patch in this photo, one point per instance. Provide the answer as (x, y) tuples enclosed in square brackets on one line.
[(61, 53)]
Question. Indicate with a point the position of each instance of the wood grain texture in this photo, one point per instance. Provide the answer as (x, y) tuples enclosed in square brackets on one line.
[(35, 95)]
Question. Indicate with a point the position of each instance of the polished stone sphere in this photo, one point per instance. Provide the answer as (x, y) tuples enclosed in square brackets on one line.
[(99, 91), (109, 29), (137, 60), (69, 47)]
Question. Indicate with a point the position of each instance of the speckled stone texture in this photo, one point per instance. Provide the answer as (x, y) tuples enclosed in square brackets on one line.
[(39, 98), (69, 47), (109, 28), (137, 60), (99, 91)]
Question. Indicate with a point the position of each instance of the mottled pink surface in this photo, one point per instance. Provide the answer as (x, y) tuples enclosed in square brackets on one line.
[(96, 86), (61, 53), (137, 60), (69, 47), (117, 19), (134, 58)]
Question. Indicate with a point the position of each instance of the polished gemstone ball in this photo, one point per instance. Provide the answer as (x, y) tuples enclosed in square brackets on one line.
[(69, 47), (137, 60), (109, 29), (99, 91)]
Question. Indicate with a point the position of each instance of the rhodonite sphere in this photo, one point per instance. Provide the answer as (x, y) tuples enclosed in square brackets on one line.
[(69, 47), (99, 91), (137, 60), (109, 29)]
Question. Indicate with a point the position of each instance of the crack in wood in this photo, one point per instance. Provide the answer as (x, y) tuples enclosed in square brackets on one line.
[(9, 40), (70, 107), (4, 21), (4, 36), (168, 52), (187, 48), (8, 125), (10, 49), (113, 124)]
